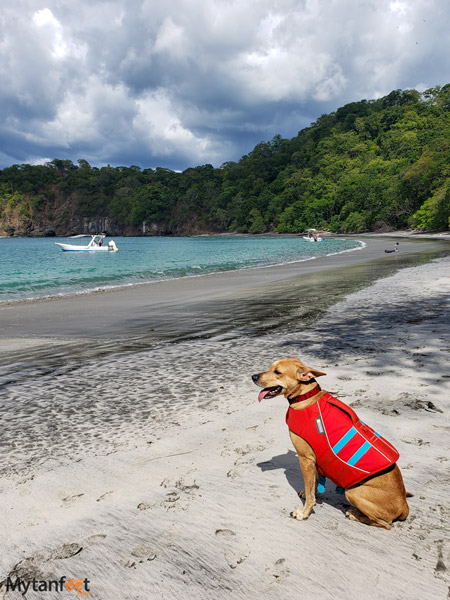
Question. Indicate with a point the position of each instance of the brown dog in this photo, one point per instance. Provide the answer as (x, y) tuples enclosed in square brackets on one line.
[(379, 499)]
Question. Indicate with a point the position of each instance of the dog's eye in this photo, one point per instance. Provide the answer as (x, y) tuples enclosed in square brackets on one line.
[(277, 372)]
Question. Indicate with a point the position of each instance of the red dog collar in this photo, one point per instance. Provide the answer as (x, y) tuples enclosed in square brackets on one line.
[(305, 396)]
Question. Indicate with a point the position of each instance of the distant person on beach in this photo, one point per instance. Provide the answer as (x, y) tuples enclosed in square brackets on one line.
[(396, 248)]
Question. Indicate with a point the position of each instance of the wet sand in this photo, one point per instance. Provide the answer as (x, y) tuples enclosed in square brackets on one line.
[(139, 310), (38, 337), (146, 464)]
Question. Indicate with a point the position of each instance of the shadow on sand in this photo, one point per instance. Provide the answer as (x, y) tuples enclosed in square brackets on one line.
[(366, 334), (289, 463)]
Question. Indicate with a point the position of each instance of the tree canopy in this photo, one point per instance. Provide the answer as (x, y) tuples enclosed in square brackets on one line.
[(371, 165)]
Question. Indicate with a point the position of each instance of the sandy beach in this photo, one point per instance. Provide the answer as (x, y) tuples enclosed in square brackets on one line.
[(135, 454)]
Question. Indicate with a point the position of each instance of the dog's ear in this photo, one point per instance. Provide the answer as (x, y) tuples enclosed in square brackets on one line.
[(317, 373), (308, 373)]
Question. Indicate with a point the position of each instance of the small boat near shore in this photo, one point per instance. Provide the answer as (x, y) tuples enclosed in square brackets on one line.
[(95, 245), (312, 236)]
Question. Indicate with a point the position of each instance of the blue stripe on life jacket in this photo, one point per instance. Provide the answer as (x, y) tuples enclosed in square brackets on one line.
[(344, 440), (359, 453)]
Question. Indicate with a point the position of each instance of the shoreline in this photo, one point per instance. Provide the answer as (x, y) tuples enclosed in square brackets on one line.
[(117, 312), (194, 499), (436, 235), (106, 289), (129, 286)]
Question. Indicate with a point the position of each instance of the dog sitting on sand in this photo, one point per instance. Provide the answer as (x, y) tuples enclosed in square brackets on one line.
[(332, 442)]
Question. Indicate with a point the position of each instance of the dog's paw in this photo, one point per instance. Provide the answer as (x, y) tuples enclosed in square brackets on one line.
[(352, 514), (299, 514), (355, 515)]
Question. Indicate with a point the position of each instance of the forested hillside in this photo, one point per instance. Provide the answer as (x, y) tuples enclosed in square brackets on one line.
[(371, 165)]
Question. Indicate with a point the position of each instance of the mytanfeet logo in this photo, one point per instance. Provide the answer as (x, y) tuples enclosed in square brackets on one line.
[(71, 584)]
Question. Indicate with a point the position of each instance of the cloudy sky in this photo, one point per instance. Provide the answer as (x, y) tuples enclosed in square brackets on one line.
[(180, 83)]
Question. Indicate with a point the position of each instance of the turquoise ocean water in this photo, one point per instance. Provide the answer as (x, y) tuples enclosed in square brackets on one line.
[(35, 267)]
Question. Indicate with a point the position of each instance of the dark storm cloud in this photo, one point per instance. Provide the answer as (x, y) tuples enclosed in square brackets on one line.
[(189, 82)]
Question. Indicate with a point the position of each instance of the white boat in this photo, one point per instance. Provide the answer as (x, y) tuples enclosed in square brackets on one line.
[(95, 245), (312, 236)]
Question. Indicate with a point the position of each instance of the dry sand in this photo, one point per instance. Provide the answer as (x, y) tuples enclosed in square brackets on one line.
[(156, 474)]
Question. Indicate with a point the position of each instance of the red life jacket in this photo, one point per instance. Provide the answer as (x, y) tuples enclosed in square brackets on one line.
[(347, 450)]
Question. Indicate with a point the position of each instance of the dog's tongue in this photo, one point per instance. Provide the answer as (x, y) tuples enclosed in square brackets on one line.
[(263, 393)]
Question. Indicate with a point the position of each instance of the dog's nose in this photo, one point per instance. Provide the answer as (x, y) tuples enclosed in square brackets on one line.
[(255, 377)]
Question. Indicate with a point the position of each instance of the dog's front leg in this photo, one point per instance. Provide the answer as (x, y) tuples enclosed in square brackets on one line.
[(307, 458), (309, 470)]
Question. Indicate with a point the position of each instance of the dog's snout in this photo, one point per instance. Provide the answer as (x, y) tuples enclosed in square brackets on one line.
[(255, 377)]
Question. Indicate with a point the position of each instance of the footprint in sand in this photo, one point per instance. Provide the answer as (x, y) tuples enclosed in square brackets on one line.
[(39, 566), (143, 554), (140, 555), (144, 506), (250, 448), (69, 500), (440, 569), (103, 496), (246, 459), (182, 494), (235, 552), (277, 572)]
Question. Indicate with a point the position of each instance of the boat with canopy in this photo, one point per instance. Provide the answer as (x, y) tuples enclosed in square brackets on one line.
[(95, 245)]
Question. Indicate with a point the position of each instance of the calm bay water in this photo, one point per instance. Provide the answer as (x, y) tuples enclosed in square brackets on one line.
[(35, 267)]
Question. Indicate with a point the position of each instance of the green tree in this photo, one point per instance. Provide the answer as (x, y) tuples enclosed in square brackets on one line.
[(257, 222), (434, 214)]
